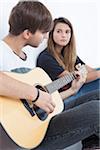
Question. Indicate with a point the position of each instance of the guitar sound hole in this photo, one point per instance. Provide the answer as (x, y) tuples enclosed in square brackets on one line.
[(41, 88)]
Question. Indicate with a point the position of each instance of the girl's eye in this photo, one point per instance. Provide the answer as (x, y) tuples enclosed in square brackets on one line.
[(68, 31), (58, 31)]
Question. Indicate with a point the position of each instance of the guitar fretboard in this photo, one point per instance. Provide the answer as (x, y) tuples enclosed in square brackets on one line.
[(59, 83)]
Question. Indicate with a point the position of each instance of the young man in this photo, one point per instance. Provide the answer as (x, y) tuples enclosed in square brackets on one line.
[(29, 22), (16, 89), (27, 27)]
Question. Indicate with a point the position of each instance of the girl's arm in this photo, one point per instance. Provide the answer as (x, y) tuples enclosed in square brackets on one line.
[(92, 74), (75, 85)]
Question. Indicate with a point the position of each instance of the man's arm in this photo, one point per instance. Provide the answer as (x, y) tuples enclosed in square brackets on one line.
[(12, 88)]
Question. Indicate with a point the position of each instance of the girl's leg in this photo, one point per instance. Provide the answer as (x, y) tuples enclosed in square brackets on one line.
[(89, 91)]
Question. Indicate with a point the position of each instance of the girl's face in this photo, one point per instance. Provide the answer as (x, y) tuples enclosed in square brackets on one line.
[(62, 34)]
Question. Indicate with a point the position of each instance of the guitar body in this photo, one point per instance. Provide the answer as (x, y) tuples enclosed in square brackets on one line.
[(26, 130)]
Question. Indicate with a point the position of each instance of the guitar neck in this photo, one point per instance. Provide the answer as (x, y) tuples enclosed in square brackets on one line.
[(59, 83)]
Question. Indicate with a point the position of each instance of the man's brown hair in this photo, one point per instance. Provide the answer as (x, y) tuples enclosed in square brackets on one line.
[(31, 15)]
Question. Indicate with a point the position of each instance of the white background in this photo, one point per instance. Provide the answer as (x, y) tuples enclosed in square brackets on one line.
[(84, 16)]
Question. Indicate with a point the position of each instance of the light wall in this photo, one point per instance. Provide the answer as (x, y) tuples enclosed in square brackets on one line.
[(83, 14)]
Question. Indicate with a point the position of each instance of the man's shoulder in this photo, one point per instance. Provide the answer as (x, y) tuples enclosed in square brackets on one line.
[(4, 48), (2, 44)]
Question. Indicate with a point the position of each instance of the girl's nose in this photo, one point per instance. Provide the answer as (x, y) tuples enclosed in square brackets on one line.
[(63, 34)]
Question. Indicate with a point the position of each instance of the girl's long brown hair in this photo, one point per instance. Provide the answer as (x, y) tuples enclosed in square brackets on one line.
[(69, 58)]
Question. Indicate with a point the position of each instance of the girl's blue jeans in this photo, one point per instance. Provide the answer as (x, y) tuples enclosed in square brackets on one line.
[(89, 91)]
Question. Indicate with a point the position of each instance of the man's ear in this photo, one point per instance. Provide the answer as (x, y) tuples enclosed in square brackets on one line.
[(27, 34)]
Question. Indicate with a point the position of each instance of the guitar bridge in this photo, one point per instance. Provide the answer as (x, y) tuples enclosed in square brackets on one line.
[(42, 115), (27, 106)]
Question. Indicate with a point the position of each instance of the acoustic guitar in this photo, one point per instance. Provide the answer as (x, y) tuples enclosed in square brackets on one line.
[(26, 124)]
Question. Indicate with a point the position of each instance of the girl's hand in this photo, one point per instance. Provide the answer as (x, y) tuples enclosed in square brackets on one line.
[(81, 76)]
